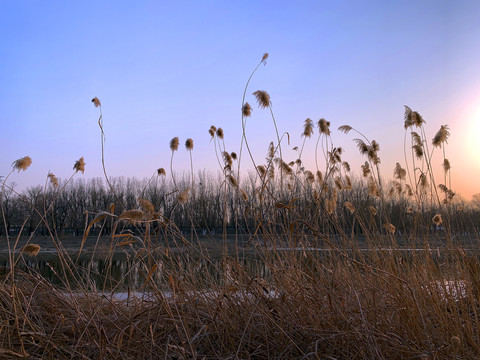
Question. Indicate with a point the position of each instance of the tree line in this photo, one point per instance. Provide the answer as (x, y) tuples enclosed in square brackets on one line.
[(217, 202)]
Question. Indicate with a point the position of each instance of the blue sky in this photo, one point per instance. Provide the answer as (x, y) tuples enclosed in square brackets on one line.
[(165, 69)]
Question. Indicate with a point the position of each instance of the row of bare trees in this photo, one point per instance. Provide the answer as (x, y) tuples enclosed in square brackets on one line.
[(212, 203)]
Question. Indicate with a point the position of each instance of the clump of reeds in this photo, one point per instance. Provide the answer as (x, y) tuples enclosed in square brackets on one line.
[(305, 278)]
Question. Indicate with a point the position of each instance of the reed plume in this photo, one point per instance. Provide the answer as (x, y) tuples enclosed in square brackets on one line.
[(324, 126), (437, 220), (96, 102), (244, 195), (189, 144), (53, 179), (79, 165), (132, 216), (345, 129), (263, 98), (389, 228), (446, 165), (31, 249), (232, 181), (308, 128), (174, 144), (399, 172), (349, 206), (365, 169), (412, 118), (22, 163), (212, 131), (146, 206), (182, 198), (246, 110), (441, 136), (261, 171)]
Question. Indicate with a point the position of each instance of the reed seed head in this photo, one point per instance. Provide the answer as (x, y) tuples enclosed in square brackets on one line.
[(96, 102), (189, 144), (161, 171), (284, 167), (212, 131), (79, 165), (319, 177), (261, 171), (399, 172), (182, 198), (412, 118), (389, 228), (271, 151), (309, 176), (263, 98), (437, 219), (232, 181), (174, 144), (349, 206), (372, 187), (227, 158), (418, 149), (324, 126), (220, 133), (233, 155), (362, 147), (244, 195), (441, 136), (22, 163), (308, 128), (271, 172), (31, 249), (345, 128), (264, 57), (146, 206), (338, 183), (246, 110), (446, 165), (365, 169), (416, 138), (422, 180), (330, 206), (132, 216), (53, 179), (335, 155)]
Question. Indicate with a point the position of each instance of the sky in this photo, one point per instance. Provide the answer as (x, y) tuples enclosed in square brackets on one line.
[(164, 69)]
